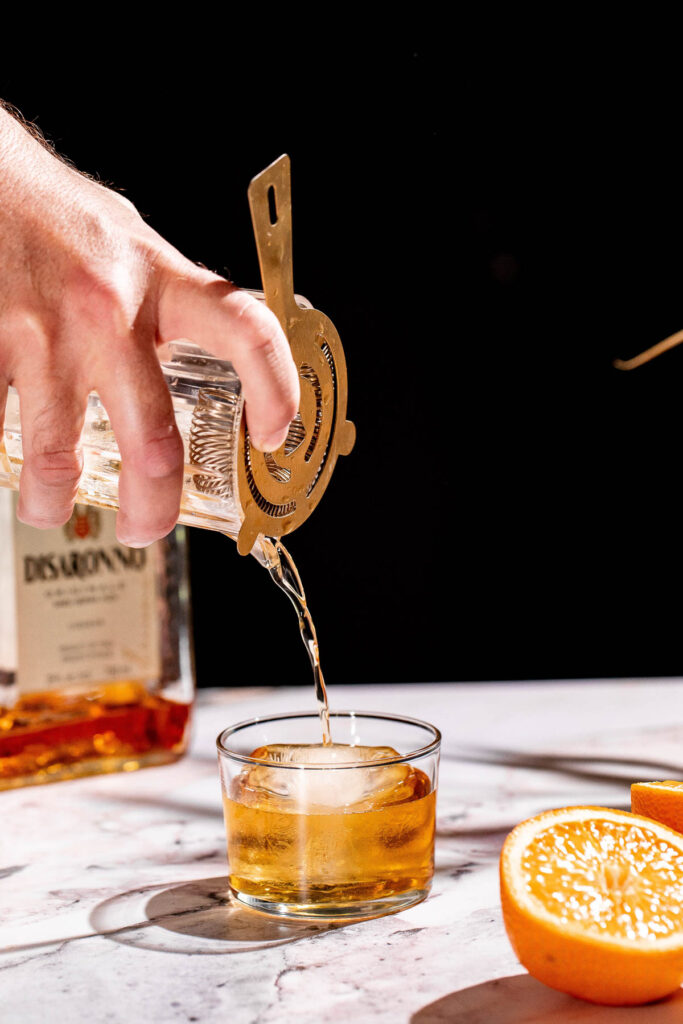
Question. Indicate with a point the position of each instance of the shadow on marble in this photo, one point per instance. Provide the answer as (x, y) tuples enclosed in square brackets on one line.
[(195, 917), (523, 1000), (161, 801), (574, 766), (458, 870), (476, 831)]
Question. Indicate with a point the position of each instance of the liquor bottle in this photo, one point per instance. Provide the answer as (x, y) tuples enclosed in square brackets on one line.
[(95, 659)]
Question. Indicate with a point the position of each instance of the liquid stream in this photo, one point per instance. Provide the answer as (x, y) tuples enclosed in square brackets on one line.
[(285, 575)]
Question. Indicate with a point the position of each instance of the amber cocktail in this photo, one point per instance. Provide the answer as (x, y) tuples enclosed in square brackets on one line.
[(345, 830)]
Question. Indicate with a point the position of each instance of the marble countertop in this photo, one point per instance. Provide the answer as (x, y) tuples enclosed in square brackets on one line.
[(112, 886)]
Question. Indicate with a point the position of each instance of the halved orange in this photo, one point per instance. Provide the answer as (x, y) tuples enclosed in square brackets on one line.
[(662, 801), (593, 903)]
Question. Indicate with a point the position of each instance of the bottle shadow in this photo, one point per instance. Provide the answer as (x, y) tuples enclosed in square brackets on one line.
[(591, 768), (200, 917), (521, 999), (169, 803)]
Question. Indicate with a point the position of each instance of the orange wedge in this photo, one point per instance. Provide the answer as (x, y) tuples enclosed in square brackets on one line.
[(593, 903), (662, 801)]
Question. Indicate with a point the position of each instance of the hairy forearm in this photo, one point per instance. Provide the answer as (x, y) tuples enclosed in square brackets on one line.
[(36, 185), (50, 213), (13, 125), (22, 145)]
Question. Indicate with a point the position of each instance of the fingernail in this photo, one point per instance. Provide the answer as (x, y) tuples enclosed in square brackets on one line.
[(126, 535), (271, 443), (45, 521)]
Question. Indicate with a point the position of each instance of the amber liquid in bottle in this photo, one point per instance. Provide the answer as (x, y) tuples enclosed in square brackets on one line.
[(49, 736), (94, 669)]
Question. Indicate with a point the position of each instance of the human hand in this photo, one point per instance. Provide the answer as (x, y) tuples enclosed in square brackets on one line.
[(87, 293)]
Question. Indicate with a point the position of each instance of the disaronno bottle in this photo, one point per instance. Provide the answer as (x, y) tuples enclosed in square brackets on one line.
[(95, 664)]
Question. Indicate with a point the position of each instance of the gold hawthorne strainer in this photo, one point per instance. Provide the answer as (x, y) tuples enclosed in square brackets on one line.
[(278, 491)]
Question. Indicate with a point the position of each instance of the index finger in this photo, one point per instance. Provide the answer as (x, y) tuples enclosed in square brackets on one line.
[(231, 323)]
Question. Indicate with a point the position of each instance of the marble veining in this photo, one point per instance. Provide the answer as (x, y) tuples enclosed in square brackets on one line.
[(114, 895)]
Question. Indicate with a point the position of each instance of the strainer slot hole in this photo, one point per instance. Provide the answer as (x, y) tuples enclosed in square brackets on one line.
[(272, 206), (327, 352), (279, 473), (308, 374), (296, 435)]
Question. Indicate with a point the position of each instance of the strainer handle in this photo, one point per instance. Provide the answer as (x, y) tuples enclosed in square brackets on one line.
[(270, 202)]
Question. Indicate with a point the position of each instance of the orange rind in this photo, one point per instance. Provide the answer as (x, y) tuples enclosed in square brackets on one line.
[(661, 801)]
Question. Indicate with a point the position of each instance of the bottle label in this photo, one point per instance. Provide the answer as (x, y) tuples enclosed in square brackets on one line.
[(87, 606)]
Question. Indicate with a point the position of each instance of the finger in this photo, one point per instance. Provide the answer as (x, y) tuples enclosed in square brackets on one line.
[(52, 413), (3, 404), (139, 407), (4, 465), (230, 323)]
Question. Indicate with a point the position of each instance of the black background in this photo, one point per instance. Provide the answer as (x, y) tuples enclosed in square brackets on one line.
[(487, 227)]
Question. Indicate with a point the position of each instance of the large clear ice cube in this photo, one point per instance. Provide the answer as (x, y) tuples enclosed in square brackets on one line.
[(322, 754), (293, 784)]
